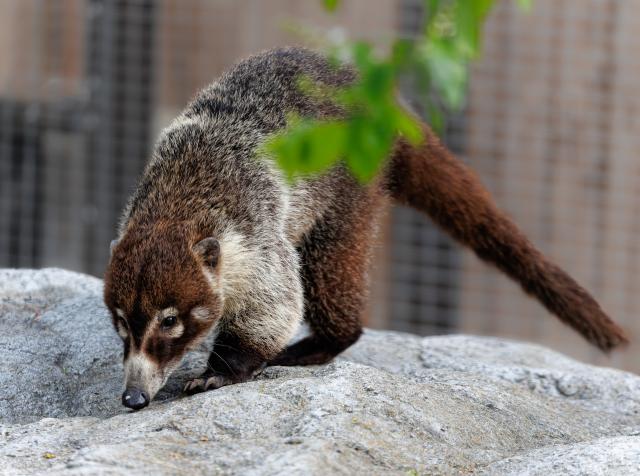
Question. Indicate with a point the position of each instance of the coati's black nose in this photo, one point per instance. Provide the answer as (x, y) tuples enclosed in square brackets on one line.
[(135, 398)]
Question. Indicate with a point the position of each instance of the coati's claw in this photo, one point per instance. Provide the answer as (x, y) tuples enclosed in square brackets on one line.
[(204, 383), (194, 386)]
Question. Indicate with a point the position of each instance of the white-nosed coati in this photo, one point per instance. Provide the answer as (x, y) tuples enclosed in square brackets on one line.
[(215, 240)]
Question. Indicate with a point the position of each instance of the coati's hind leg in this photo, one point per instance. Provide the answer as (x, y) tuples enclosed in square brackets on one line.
[(334, 261)]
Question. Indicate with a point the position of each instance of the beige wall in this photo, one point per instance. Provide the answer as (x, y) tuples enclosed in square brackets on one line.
[(41, 48), (202, 38)]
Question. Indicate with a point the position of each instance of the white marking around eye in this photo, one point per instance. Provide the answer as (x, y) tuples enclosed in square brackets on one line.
[(176, 331), (122, 332), (201, 313), (169, 311)]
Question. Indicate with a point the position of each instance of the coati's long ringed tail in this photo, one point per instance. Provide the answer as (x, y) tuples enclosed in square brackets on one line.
[(428, 177)]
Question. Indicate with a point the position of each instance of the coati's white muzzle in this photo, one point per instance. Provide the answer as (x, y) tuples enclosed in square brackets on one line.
[(142, 380)]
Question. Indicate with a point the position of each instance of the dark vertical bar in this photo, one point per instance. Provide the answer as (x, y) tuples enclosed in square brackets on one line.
[(16, 146), (31, 159), (21, 158), (425, 263), (121, 105), (6, 184)]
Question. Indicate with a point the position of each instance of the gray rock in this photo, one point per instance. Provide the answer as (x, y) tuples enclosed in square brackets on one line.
[(392, 404)]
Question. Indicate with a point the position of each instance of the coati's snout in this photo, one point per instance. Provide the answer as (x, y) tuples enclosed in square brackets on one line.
[(135, 398), (163, 294)]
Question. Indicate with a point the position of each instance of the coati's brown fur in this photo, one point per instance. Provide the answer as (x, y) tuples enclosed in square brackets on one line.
[(214, 240)]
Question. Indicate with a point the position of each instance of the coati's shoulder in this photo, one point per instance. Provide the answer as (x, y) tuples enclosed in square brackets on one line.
[(264, 87), (206, 172)]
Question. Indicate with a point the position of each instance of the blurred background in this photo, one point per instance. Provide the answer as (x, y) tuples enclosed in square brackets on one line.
[(552, 125)]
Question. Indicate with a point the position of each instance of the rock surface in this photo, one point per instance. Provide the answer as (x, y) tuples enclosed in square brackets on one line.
[(392, 404)]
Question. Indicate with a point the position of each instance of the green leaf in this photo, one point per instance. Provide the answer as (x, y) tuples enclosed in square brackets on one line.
[(436, 118), (469, 19), (436, 62), (431, 7), (330, 5), (409, 126), (402, 52), (368, 147), (449, 76), (307, 147)]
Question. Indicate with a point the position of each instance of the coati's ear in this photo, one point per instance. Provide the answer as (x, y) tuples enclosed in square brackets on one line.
[(209, 250), (112, 245)]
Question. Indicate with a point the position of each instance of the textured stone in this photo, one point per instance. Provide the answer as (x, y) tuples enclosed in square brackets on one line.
[(392, 404)]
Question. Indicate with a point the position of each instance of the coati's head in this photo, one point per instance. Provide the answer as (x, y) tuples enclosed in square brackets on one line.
[(162, 288)]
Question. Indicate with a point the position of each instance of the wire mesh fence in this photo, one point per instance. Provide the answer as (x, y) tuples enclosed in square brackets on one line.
[(550, 125)]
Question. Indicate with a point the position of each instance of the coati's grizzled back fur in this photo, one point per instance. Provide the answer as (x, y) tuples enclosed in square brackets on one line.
[(214, 240)]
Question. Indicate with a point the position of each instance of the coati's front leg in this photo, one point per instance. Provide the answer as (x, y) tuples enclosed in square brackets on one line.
[(231, 361), (260, 320)]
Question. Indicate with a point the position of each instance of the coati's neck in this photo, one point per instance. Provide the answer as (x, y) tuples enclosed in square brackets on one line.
[(239, 260), (239, 267)]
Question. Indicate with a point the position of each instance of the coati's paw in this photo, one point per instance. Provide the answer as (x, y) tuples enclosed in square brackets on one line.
[(206, 382)]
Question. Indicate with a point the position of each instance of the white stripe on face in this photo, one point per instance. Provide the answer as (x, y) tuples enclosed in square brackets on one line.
[(140, 370), (122, 330), (176, 331), (200, 313), (169, 311), (142, 373)]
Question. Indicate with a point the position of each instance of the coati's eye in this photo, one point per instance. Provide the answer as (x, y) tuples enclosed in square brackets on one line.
[(168, 322)]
